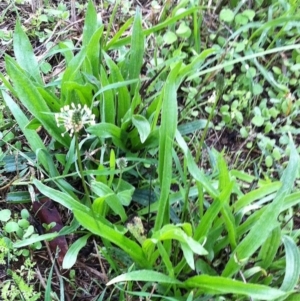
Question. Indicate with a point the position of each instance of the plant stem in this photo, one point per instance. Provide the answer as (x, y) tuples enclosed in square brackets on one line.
[(87, 193)]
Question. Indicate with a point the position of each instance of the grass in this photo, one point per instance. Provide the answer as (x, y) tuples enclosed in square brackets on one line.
[(154, 157)]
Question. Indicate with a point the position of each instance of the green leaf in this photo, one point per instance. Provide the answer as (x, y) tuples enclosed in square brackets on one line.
[(166, 138), (51, 100), (24, 54), (142, 125), (293, 297), (111, 199), (93, 51), (107, 130), (212, 212), (189, 246), (33, 124), (99, 228), (230, 63), (256, 194), (170, 232), (33, 101), (268, 75), (11, 226), (107, 103), (90, 23), (269, 161), (116, 37), (269, 248), (241, 19), (170, 37), (137, 50), (32, 137), (292, 266), (144, 275), (5, 215), (123, 96), (258, 120), (60, 197), (29, 231), (71, 73), (48, 291), (226, 15), (249, 13), (183, 30), (219, 285), (71, 256), (34, 239)]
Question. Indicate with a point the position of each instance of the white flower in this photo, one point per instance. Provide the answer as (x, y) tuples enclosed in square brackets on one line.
[(121, 163), (73, 118)]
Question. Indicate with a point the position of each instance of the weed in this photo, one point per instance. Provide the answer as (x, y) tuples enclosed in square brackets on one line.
[(209, 233)]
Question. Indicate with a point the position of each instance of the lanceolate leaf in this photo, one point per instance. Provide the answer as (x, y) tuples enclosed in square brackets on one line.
[(108, 233), (144, 275), (124, 99), (24, 54), (93, 51), (32, 137), (219, 285), (292, 267), (100, 227), (71, 256), (33, 101), (90, 23), (166, 137), (142, 125), (136, 50)]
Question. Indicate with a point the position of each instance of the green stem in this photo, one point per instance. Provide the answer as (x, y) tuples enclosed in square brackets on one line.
[(119, 181), (87, 193)]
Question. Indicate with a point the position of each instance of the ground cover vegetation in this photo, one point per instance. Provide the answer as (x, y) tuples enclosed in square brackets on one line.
[(149, 150)]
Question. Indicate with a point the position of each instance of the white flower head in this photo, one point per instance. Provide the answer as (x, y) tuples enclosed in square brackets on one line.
[(74, 118), (121, 163)]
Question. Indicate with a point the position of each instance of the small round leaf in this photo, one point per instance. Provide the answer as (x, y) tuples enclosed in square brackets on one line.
[(170, 37), (226, 15), (183, 30), (11, 227), (258, 120), (5, 215)]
